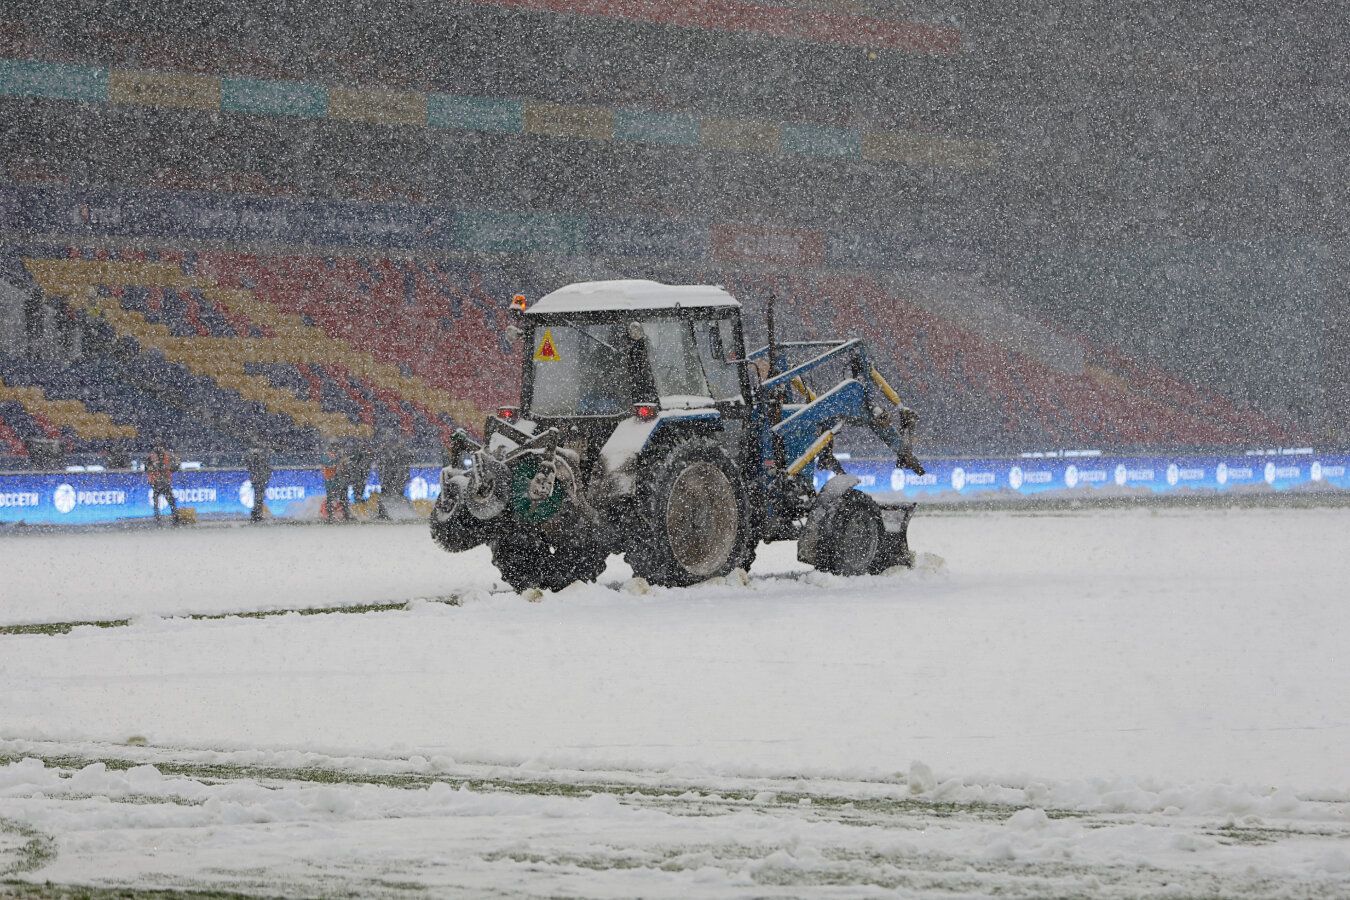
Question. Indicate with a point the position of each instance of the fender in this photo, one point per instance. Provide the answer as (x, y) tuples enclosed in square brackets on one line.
[(830, 494), (633, 436)]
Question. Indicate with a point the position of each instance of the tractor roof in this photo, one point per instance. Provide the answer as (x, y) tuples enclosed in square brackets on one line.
[(630, 294)]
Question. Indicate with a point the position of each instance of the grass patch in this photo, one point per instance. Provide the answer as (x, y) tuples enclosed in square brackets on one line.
[(1257, 835), (77, 892), (848, 810), (61, 627), (357, 609), (38, 849)]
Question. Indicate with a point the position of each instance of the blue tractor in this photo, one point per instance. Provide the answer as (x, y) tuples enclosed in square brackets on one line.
[(645, 428)]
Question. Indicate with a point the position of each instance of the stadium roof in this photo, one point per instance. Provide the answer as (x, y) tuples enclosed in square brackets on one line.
[(810, 25)]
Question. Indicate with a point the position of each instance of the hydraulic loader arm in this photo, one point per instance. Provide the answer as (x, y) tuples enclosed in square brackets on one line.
[(866, 399)]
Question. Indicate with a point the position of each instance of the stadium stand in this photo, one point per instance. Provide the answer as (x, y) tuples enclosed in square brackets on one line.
[(11, 444), (308, 349), (313, 238), (198, 340)]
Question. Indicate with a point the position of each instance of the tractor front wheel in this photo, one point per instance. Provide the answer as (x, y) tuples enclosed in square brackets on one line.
[(852, 539), (691, 519)]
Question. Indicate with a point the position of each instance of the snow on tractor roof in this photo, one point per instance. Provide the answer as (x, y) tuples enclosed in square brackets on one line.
[(629, 294)]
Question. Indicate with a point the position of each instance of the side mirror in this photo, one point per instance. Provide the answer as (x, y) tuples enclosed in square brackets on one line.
[(513, 333)]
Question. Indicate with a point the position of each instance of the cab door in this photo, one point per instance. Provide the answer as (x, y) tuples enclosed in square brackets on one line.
[(720, 353)]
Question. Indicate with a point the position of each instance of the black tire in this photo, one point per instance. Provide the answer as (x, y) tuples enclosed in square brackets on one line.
[(462, 532), (526, 560), (853, 540), (691, 516)]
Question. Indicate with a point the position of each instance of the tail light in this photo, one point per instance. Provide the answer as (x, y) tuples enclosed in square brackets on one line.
[(508, 413), (646, 411), (518, 302)]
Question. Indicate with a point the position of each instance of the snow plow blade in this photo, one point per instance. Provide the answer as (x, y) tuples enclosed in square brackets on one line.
[(895, 517)]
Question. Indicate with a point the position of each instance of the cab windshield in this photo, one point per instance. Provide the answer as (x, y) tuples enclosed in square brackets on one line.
[(580, 370)]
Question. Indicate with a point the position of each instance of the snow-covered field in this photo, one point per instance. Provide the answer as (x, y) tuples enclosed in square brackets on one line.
[(1088, 703)]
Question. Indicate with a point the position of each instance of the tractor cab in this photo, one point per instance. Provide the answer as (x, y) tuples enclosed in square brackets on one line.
[(613, 349)]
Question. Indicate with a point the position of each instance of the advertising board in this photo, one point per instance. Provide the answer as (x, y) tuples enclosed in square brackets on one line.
[(734, 243), (86, 498), (89, 498), (1118, 476)]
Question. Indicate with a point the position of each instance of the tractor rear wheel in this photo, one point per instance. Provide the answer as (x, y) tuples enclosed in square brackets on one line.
[(691, 519), (526, 560)]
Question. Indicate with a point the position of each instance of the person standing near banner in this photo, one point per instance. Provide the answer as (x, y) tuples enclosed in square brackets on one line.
[(334, 487), (394, 462), (354, 471), (159, 468), (260, 473)]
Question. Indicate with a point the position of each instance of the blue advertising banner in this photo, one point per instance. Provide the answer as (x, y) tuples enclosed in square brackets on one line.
[(650, 237), (87, 498), (213, 216), (1121, 476), (197, 215)]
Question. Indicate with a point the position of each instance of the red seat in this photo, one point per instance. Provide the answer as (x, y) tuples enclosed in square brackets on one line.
[(10, 441)]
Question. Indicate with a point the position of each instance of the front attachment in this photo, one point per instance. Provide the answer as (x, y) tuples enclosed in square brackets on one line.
[(849, 533), (470, 501)]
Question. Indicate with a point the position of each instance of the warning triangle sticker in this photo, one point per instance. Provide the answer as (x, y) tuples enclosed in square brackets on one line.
[(546, 351)]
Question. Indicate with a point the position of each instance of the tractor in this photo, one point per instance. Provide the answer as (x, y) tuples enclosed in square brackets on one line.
[(645, 428)]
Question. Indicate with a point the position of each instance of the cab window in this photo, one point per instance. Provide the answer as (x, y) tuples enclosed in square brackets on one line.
[(716, 343), (580, 371), (676, 366)]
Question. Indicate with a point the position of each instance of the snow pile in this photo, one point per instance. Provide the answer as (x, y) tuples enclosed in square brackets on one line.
[(1107, 648), (102, 575), (142, 827), (1124, 795), (1104, 703)]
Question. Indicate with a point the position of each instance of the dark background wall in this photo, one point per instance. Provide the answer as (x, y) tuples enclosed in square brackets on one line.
[(1169, 177)]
